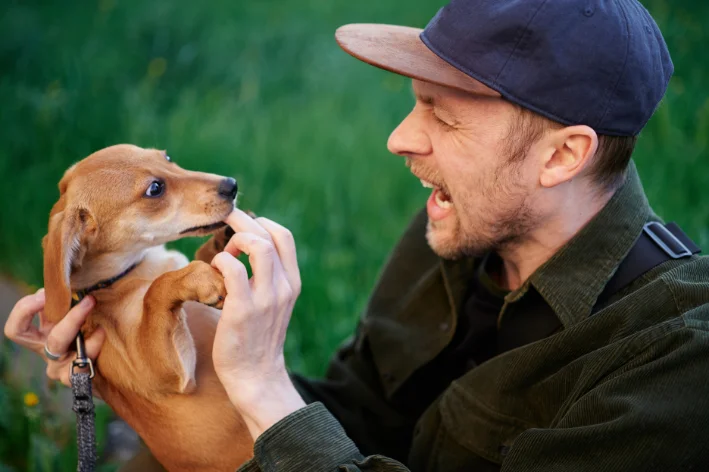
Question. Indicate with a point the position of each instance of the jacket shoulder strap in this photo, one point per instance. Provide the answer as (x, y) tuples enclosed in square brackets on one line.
[(657, 243)]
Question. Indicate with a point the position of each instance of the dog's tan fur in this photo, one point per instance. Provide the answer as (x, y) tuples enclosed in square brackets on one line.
[(155, 368)]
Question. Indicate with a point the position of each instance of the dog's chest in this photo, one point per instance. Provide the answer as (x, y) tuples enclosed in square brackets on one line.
[(126, 297), (159, 260)]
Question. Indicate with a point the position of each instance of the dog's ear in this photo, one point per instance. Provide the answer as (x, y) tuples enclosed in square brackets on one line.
[(186, 357), (70, 231), (64, 183)]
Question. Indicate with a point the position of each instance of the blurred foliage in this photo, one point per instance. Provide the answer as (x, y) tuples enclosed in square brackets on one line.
[(260, 91), (34, 435)]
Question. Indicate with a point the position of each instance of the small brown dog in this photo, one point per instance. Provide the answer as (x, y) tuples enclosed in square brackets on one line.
[(116, 210)]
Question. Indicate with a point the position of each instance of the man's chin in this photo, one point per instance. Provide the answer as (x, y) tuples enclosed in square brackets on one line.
[(443, 241), (449, 243)]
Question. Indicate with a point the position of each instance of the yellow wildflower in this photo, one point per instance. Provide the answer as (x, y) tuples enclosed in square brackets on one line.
[(31, 399)]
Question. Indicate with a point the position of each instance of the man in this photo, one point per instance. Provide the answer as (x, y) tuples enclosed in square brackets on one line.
[(534, 316)]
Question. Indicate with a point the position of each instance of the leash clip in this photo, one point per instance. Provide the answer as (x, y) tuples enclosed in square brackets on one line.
[(81, 360)]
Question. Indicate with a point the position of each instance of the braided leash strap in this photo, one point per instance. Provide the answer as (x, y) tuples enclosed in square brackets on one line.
[(85, 430), (84, 407)]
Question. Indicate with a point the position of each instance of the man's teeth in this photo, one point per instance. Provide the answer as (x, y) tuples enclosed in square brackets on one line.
[(441, 202)]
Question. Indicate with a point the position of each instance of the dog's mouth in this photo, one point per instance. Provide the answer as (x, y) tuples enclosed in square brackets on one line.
[(202, 230)]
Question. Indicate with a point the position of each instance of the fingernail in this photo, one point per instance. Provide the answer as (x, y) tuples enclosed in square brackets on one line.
[(88, 301)]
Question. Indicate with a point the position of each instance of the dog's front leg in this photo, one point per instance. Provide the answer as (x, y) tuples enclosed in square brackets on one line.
[(163, 334), (214, 245)]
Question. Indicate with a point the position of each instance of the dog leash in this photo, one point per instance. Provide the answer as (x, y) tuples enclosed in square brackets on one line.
[(84, 408), (83, 404)]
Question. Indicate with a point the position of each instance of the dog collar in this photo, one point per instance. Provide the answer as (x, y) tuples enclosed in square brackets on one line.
[(79, 295)]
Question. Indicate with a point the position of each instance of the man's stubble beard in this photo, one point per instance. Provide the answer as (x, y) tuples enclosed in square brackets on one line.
[(478, 232)]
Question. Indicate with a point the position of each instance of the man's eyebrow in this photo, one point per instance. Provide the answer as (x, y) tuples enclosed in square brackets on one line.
[(434, 102)]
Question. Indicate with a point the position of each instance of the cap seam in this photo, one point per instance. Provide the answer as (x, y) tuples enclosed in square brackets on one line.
[(609, 93), (525, 30)]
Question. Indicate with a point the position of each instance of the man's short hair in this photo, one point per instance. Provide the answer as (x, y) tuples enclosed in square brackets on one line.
[(609, 164)]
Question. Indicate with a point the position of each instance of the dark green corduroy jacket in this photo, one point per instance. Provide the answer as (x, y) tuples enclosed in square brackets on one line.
[(625, 389)]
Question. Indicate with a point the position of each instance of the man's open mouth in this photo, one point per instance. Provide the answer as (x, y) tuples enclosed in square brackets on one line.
[(206, 229), (441, 197)]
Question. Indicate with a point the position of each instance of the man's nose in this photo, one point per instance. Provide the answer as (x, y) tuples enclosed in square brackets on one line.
[(409, 138)]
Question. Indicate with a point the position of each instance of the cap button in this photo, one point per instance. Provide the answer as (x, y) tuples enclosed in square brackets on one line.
[(589, 11)]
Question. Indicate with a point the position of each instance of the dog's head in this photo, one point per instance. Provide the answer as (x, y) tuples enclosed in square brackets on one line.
[(117, 203)]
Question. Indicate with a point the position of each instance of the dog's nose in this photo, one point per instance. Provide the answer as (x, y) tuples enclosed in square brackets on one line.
[(228, 188)]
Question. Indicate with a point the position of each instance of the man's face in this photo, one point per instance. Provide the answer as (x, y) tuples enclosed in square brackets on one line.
[(483, 190)]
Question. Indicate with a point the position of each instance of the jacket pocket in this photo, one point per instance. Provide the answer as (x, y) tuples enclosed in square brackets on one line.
[(477, 427)]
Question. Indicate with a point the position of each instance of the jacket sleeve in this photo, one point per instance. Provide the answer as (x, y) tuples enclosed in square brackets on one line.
[(310, 439), (649, 416), (347, 412), (352, 392)]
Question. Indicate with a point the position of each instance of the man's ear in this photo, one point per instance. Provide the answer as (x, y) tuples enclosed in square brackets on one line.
[(569, 150), (70, 232)]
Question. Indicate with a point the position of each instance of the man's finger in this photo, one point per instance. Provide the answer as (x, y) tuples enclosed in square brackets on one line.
[(64, 333), (263, 256), (94, 343), (60, 370), (19, 321), (236, 279), (285, 245), (45, 326), (241, 222)]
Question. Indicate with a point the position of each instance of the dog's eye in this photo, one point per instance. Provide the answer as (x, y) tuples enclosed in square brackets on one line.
[(156, 189)]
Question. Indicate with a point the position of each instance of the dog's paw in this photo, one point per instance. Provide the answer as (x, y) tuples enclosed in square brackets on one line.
[(222, 237), (208, 284)]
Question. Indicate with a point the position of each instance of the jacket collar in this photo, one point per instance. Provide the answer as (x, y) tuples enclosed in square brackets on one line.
[(575, 276)]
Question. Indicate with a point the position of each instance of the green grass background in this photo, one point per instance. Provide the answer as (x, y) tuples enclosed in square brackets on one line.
[(260, 91)]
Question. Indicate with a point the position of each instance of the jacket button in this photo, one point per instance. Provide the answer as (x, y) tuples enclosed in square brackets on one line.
[(443, 326), (503, 450), (388, 377)]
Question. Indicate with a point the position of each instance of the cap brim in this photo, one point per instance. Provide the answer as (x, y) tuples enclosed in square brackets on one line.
[(399, 49)]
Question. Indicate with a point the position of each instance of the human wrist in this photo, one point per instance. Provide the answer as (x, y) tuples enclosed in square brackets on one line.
[(264, 402)]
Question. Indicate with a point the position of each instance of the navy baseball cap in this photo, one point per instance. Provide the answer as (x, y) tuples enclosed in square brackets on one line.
[(601, 63)]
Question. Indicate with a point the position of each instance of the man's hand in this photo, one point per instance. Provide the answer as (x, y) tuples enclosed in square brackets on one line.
[(58, 338), (248, 345)]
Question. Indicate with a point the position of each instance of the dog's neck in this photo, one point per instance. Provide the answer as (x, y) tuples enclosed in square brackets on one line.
[(78, 295), (103, 267)]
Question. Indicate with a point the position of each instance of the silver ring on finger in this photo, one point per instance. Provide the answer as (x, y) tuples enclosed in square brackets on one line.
[(50, 354)]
